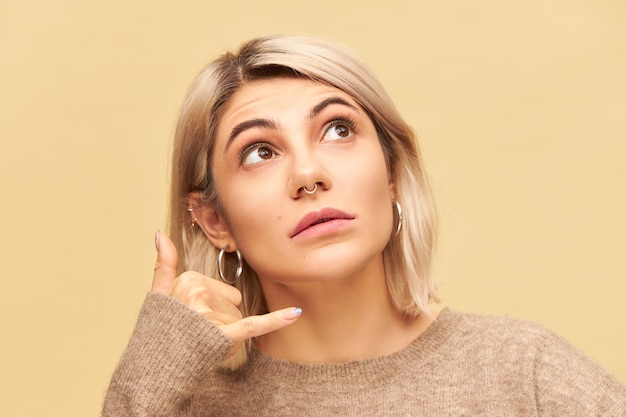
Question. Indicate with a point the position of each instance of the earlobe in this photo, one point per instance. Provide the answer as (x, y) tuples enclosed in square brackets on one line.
[(212, 224)]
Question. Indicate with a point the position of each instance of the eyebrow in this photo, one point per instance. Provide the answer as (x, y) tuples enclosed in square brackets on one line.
[(249, 124), (272, 124), (315, 111)]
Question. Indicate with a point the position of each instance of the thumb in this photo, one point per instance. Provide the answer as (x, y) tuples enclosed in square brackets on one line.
[(166, 267)]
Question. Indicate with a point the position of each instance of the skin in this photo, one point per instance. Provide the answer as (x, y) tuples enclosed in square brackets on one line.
[(275, 138)]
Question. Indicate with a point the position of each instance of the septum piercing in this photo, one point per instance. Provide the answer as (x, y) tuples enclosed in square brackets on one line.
[(312, 191)]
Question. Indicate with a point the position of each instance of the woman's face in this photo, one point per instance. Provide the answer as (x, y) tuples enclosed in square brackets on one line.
[(279, 135)]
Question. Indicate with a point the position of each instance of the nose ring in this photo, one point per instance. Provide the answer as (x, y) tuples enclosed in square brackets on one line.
[(312, 191)]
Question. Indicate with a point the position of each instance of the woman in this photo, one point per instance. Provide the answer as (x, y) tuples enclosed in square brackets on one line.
[(302, 287)]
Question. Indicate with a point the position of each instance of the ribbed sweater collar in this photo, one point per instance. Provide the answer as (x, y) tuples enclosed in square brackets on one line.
[(353, 375)]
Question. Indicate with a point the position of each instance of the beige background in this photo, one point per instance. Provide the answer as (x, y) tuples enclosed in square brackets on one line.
[(521, 110)]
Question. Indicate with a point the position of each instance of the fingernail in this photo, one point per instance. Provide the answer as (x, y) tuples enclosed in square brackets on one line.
[(292, 313), (157, 240)]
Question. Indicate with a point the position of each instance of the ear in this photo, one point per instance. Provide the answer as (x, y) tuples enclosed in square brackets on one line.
[(392, 189), (208, 218)]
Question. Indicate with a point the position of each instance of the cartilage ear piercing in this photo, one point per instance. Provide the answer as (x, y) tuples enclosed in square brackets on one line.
[(194, 220)]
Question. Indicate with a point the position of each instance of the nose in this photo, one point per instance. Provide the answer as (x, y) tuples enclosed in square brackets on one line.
[(308, 176)]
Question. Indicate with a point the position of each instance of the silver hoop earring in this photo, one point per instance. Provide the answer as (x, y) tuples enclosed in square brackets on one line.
[(220, 266), (399, 210), (312, 191)]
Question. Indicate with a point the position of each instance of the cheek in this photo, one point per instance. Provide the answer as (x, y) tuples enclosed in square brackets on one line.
[(250, 214), (371, 178), (380, 201), (377, 195), (256, 225)]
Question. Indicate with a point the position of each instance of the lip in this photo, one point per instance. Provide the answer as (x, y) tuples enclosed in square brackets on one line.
[(322, 216)]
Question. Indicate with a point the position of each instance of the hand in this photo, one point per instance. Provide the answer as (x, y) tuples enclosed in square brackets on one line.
[(215, 300)]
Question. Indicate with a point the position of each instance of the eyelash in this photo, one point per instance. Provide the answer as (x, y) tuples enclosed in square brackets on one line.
[(246, 149), (344, 119)]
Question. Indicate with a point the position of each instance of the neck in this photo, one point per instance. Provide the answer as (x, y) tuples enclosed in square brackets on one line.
[(345, 319)]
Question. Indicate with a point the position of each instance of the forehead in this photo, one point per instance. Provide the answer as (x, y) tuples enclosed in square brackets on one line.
[(266, 98)]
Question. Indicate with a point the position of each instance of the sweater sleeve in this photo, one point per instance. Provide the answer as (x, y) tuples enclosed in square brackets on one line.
[(172, 348), (567, 383)]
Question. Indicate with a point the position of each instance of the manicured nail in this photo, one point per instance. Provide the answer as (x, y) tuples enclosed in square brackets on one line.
[(157, 240), (292, 313)]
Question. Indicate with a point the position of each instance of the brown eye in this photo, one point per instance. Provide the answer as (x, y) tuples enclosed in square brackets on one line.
[(257, 152), (264, 153), (338, 130), (342, 131)]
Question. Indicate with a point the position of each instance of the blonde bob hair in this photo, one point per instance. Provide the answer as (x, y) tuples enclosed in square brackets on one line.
[(407, 257)]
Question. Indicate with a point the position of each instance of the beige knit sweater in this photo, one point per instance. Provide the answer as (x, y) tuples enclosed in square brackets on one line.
[(463, 365)]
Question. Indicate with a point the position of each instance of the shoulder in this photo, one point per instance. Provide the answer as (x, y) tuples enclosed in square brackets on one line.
[(502, 338), (551, 370), (512, 336), (494, 332)]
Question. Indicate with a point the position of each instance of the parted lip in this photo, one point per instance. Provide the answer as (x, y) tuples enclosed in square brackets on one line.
[(320, 216)]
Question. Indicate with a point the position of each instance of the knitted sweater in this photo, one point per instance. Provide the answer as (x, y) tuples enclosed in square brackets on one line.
[(462, 365)]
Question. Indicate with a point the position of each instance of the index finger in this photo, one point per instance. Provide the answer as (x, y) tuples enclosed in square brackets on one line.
[(254, 326)]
